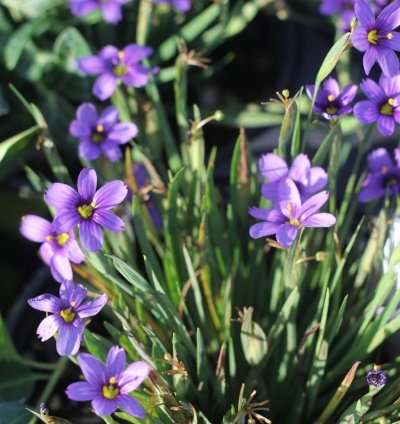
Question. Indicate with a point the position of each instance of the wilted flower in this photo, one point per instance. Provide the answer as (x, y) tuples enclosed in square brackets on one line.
[(274, 169), (88, 208), (68, 313), (290, 215), (383, 104), (383, 176), (113, 65), (108, 385), (101, 134), (376, 378), (110, 9), (181, 5), (58, 248), (375, 37), (142, 180), (331, 102)]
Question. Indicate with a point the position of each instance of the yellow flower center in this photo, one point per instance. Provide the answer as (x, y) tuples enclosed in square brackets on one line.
[(121, 55), (373, 37), (86, 211), (387, 108), (110, 390), (331, 98), (62, 239), (68, 315), (295, 222), (120, 70), (331, 110), (389, 36)]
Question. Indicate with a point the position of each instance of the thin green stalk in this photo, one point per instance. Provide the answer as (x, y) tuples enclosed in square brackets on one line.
[(38, 365), (55, 377)]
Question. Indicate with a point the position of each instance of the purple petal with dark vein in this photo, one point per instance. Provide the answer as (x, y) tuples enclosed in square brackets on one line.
[(348, 93), (289, 198), (35, 228), (372, 90), (92, 369), (69, 339), (389, 62), (369, 59), (133, 376), (359, 39), (45, 302), (93, 307), (111, 194), (48, 327), (116, 361), (131, 406), (108, 220), (366, 112), (82, 391), (66, 220), (386, 125), (61, 196), (87, 184), (364, 13), (91, 235), (320, 220)]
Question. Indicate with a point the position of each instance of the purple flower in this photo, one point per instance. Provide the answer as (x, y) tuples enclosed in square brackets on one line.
[(181, 5), (375, 37), (113, 65), (110, 9), (383, 176), (58, 247), (274, 169), (376, 378), (68, 313), (331, 102), (291, 215), (108, 385), (88, 208), (143, 181), (101, 134), (342, 8), (383, 104)]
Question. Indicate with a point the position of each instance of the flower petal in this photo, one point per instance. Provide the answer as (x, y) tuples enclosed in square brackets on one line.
[(386, 125), (313, 205), (104, 86), (69, 339), (87, 183), (133, 376), (61, 265), (111, 12), (123, 132), (378, 159), (35, 228), (272, 167), (109, 117), (91, 235), (286, 235), (91, 65), (82, 391), (389, 62), (134, 53), (364, 13), (48, 327), (320, 220), (45, 302), (372, 189), (348, 93), (89, 151), (75, 253), (370, 58), (263, 229), (271, 215), (93, 307), (46, 252), (92, 369), (110, 194), (65, 221), (318, 180), (289, 198), (61, 196), (116, 361), (299, 171), (111, 150), (104, 407), (73, 294), (87, 113), (131, 406), (359, 39), (366, 112), (109, 220), (372, 90), (137, 76)]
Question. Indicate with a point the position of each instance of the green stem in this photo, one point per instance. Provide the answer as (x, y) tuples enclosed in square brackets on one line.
[(38, 365), (55, 377)]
